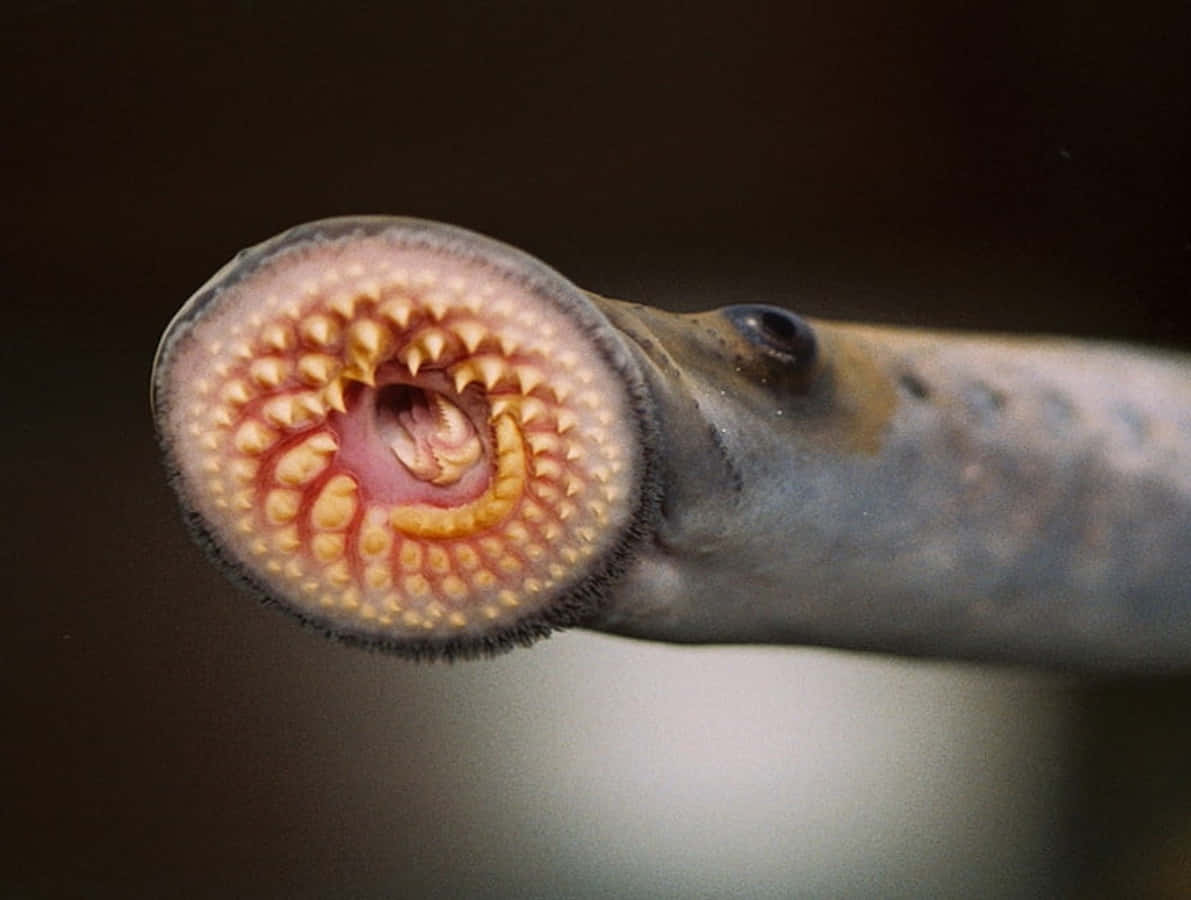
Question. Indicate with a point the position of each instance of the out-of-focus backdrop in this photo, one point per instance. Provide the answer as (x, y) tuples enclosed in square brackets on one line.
[(1018, 166)]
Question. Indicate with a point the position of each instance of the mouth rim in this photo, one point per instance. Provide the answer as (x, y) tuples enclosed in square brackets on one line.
[(574, 605)]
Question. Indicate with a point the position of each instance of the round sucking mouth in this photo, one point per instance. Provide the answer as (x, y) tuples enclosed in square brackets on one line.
[(408, 435)]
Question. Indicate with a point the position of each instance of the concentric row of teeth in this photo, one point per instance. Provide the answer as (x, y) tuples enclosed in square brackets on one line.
[(284, 366)]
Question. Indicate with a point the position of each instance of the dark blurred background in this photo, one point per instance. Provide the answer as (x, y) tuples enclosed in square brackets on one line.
[(1019, 166)]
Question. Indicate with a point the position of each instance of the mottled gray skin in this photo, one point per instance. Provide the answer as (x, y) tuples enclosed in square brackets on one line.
[(979, 498)]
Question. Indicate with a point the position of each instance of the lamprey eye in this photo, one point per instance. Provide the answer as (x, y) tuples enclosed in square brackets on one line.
[(409, 435), (777, 331)]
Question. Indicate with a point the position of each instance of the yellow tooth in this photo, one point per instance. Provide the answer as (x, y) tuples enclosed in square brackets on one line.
[(309, 406), (416, 586), (254, 438), (335, 505), (320, 331), (464, 374), (339, 575), (243, 350), (528, 377), (280, 411), (344, 303), (531, 409), (333, 396), (437, 560), (327, 547), (236, 392), (508, 344), (573, 451), (398, 310), (457, 619), (378, 576), (375, 541), (288, 540), (547, 468), (542, 442), (317, 368), (508, 598), (433, 341), (560, 389), (244, 500), (454, 587), (413, 358), (301, 464), (490, 369), (281, 506), (470, 332), (268, 372), (483, 579), (368, 339), (411, 556), (468, 558), (438, 305), (244, 469), (276, 336), (494, 547), (565, 422)]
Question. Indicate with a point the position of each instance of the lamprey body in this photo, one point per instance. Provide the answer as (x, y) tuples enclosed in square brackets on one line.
[(419, 439)]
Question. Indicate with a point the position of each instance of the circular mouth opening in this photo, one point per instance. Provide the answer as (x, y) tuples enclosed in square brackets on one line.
[(405, 443), (429, 432)]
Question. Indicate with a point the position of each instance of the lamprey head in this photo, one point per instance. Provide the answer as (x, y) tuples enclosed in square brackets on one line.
[(408, 435)]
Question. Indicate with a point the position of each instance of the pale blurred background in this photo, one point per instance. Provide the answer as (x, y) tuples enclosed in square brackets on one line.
[(1017, 168)]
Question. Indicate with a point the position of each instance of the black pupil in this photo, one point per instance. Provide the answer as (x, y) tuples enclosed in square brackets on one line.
[(779, 331), (779, 326)]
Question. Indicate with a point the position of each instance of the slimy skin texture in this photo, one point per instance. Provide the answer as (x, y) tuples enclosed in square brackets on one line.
[(418, 439)]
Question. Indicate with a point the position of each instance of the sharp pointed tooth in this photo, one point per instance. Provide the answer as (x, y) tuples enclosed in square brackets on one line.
[(312, 404), (333, 396), (470, 332), (464, 374), (541, 442), (398, 310), (434, 342), (508, 344), (268, 372), (413, 358), (281, 505), (472, 302), (529, 377), (360, 371), (344, 303), (236, 392), (317, 368), (560, 389), (565, 422), (320, 330), (573, 451), (531, 408), (438, 305), (254, 438), (280, 411), (490, 369), (370, 289), (276, 336)]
